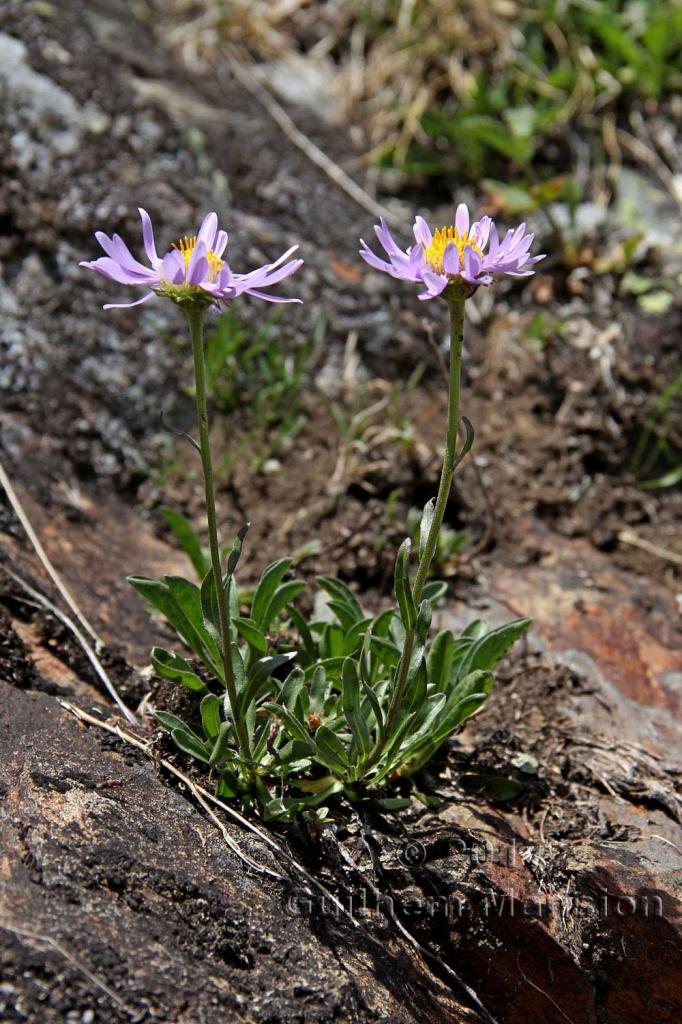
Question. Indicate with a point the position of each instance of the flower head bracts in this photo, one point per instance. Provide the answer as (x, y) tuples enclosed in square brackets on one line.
[(471, 253), (193, 271)]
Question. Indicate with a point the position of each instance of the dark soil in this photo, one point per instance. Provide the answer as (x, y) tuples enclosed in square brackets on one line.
[(119, 898)]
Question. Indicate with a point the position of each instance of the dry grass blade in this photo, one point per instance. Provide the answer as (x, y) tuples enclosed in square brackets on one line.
[(249, 76), (21, 515), (44, 602), (47, 940)]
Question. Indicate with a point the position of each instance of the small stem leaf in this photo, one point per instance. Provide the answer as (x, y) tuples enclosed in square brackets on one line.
[(403, 591), (423, 624), (174, 668), (425, 527), (235, 553), (269, 581), (210, 716), (468, 440), (221, 744), (476, 629)]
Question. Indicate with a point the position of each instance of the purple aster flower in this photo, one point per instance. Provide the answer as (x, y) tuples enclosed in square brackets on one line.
[(194, 269), (471, 253)]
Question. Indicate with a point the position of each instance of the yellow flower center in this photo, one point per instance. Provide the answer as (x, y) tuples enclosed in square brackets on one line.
[(441, 239), (186, 248)]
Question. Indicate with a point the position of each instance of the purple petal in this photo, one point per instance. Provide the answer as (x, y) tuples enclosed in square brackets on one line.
[(374, 261), (173, 266), (451, 259), (198, 264), (283, 257), (462, 219), (422, 232), (472, 264), (126, 258), (435, 283), (268, 298), (220, 243), (208, 230), (127, 305), (115, 272), (386, 239), (148, 237)]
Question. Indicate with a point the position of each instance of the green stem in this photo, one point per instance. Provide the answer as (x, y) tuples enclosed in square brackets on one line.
[(195, 316), (456, 299)]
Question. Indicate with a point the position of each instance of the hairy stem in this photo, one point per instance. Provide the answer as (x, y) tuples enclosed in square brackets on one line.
[(456, 299), (195, 317)]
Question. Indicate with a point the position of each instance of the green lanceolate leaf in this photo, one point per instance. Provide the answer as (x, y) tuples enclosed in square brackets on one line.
[(209, 607), (318, 689), (306, 636), (187, 597), (281, 597), (291, 688), (188, 539), (297, 730), (426, 523), (403, 591), (248, 629), (269, 581), (210, 716), (170, 722), (343, 614), (189, 744), (221, 744), (174, 668), (350, 702), (439, 660), (159, 595), (488, 649), (342, 593), (433, 591), (417, 681), (331, 751), (257, 678)]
